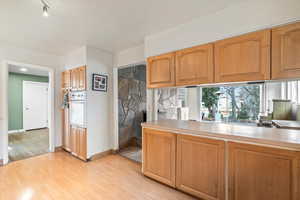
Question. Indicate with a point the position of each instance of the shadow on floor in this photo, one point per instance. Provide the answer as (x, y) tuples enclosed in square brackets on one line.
[(28, 144)]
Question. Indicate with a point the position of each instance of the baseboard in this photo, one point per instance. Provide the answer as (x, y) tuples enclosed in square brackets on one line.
[(102, 154), (60, 148), (16, 131)]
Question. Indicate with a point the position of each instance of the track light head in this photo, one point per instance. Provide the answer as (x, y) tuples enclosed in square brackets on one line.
[(45, 11), (45, 8)]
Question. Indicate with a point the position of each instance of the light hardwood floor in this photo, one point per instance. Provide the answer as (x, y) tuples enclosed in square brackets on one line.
[(59, 176)]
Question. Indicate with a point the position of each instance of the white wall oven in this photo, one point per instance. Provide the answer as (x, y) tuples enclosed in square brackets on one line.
[(78, 109)]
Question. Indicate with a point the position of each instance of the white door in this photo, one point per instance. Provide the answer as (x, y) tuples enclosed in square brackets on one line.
[(35, 105)]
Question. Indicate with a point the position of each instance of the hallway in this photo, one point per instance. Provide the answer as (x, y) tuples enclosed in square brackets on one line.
[(27, 144)]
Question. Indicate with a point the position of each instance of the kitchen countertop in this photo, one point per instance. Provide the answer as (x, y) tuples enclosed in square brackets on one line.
[(281, 138)]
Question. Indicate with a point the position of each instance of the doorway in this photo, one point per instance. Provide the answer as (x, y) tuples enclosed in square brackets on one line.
[(29, 111), (131, 110)]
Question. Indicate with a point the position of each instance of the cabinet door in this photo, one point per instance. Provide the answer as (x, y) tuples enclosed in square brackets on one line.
[(77, 152), (159, 155), (286, 52), (66, 79), (73, 140), (195, 65), (82, 78), (243, 58), (201, 167), (161, 71), (66, 130), (257, 172), (75, 79), (82, 144)]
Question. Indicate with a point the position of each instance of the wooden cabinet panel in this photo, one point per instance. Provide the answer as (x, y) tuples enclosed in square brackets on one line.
[(286, 51), (66, 79), (201, 167), (161, 71), (78, 142), (195, 65), (82, 144), (78, 78), (66, 130), (159, 155), (74, 79), (257, 172), (82, 78), (73, 140), (243, 58)]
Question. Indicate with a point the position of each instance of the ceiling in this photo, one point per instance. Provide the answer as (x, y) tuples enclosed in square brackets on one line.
[(31, 71), (111, 25)]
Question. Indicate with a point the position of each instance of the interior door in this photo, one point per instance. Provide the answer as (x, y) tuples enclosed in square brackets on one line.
[(35, 105)]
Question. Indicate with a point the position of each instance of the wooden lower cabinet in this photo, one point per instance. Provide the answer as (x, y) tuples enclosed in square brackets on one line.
[(201, 167), (82, 144), (262, 173), (73, 139), (214, 169), (159, 149), (78, 142), (66, 130)]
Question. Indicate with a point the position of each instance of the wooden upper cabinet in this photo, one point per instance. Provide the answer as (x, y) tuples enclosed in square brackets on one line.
[(82, 78), (201, 167), (78, 78), (257, 172), (286, 51), (243, 58), (195, 65), (74, 79), (161, 71), (159, 151), (66, 79)]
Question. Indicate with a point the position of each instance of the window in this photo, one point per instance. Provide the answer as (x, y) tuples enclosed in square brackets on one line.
[(231, 103), (239, 103)]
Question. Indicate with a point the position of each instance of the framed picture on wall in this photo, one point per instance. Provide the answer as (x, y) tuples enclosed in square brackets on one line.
[(99, 82)]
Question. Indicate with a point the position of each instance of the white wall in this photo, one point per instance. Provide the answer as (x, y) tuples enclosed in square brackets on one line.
[(100, 104), (130, 56), (27, 56), (75, 58), (237, 19)]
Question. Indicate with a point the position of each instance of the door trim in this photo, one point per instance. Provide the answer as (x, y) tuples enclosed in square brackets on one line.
[(115, 122)]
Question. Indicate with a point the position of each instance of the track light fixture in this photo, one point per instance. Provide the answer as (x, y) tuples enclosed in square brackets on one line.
[(45, 8)]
